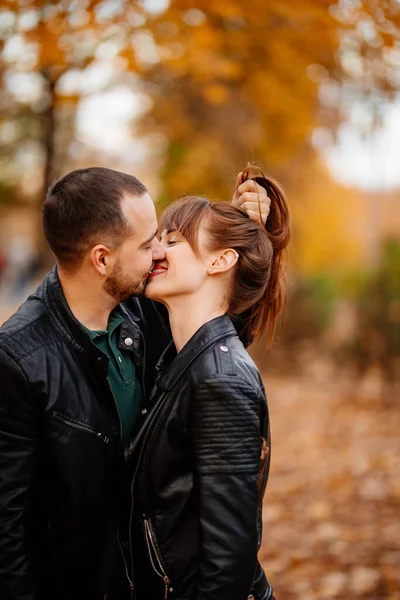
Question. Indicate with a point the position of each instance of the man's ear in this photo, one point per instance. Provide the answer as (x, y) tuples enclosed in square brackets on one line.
[(102, 259), (225, 261)]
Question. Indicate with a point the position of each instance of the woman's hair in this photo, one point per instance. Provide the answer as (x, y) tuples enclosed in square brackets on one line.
[(258, 291)]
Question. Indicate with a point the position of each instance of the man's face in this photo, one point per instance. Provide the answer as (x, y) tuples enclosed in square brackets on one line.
[(135, 256)]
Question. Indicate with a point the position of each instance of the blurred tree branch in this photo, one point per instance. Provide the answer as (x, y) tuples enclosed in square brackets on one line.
[(237, 81), (46, 50), (228, 81)]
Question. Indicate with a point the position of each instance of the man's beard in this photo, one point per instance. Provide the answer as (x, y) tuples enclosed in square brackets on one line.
[(120, 286)]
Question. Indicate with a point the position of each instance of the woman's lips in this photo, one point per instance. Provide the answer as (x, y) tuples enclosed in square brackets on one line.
[(157, 271)]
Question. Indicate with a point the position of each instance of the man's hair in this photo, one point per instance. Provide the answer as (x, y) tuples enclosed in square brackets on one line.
[(83, 208)]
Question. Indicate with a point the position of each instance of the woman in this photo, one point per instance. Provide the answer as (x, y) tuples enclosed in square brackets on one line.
[(203, 455)]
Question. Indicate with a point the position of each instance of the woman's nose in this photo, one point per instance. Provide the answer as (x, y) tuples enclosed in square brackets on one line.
[(158, 250)]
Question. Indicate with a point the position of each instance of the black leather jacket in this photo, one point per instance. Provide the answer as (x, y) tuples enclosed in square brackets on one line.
[(60, 460), (201, 465)]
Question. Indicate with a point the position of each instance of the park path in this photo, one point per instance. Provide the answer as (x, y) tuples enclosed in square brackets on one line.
[(332, 506)]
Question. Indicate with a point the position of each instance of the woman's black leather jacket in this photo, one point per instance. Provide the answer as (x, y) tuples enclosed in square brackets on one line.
[(201, 463)]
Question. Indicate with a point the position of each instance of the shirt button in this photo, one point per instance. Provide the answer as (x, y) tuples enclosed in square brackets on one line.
[(128, 341), (144, 411), (224, 349)]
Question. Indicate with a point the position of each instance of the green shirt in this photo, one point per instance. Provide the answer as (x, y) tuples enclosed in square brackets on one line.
[(126, 390), (121, 374)]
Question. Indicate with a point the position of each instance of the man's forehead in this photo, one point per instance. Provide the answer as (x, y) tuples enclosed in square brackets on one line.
[(139, 211), (137, 203)]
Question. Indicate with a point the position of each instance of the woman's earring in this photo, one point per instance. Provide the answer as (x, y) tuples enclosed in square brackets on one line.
[(210, 270)]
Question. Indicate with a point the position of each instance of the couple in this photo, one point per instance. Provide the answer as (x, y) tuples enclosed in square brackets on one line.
[(134, 432)]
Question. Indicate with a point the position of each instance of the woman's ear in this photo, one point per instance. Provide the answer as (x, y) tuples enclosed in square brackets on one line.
[(224, 262)]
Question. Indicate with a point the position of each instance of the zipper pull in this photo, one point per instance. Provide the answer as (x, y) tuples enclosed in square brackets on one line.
[(166, 585), (166, 590)]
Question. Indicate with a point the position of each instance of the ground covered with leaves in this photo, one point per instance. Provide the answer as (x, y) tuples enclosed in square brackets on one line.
[(332, 505)]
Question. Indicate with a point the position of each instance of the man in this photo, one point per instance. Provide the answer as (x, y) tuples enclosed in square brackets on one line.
[(76, 362)]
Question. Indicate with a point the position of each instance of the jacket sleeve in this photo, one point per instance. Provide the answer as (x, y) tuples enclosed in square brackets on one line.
[(226, 446), (18, 430)]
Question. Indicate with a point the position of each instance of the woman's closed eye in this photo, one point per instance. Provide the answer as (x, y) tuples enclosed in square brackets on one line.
[(170, 238)]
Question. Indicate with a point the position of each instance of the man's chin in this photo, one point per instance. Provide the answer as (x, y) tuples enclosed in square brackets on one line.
[(121, 295), (138, 291)]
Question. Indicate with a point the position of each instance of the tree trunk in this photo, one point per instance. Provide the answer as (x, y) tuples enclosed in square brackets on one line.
[(46, 256), (48, 135)]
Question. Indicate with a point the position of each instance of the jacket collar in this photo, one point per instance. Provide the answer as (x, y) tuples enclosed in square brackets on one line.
[(69, 326), (212, 331)]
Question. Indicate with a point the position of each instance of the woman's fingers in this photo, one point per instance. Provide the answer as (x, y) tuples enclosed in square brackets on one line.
[(239, 179), (257, 206), (252, 198), (255, 213), (251, 186), (236, 194)]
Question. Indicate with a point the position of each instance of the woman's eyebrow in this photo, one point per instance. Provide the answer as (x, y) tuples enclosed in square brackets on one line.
[(167, 232)]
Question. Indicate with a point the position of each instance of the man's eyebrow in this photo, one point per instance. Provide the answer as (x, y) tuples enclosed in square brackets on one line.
[(149, 239)]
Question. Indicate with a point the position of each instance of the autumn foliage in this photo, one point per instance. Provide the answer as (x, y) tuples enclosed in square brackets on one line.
[(227, 82)]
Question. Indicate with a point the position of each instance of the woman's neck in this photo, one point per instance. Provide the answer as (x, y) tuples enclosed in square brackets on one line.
[(187, 315)]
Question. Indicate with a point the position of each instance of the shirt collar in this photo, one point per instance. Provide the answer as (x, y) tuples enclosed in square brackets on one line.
[(115, 320)]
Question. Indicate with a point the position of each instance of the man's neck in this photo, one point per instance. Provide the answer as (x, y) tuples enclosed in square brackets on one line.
[(90, 304)]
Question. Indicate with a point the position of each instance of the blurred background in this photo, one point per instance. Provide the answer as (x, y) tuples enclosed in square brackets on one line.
[(182, 94)]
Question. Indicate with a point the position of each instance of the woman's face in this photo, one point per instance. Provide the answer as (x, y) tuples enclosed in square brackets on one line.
[(182, 272)]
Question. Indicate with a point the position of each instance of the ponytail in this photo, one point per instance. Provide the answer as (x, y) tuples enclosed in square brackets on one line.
[(263, 315)]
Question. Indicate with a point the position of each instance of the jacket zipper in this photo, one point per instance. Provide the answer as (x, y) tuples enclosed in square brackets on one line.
[(130, 579), (149, 534), (130, 526), (81, 427), (129, 576), (142, 451), (150, 542), (143, 408), (131, 586), (143, 363)]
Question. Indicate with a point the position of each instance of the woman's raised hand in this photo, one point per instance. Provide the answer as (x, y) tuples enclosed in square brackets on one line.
[(251, 198)]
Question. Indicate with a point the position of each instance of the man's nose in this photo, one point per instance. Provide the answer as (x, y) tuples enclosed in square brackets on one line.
[(158, 250)]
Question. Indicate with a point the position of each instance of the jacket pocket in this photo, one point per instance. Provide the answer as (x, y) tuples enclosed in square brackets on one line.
[(155, 557), (79, 426)]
